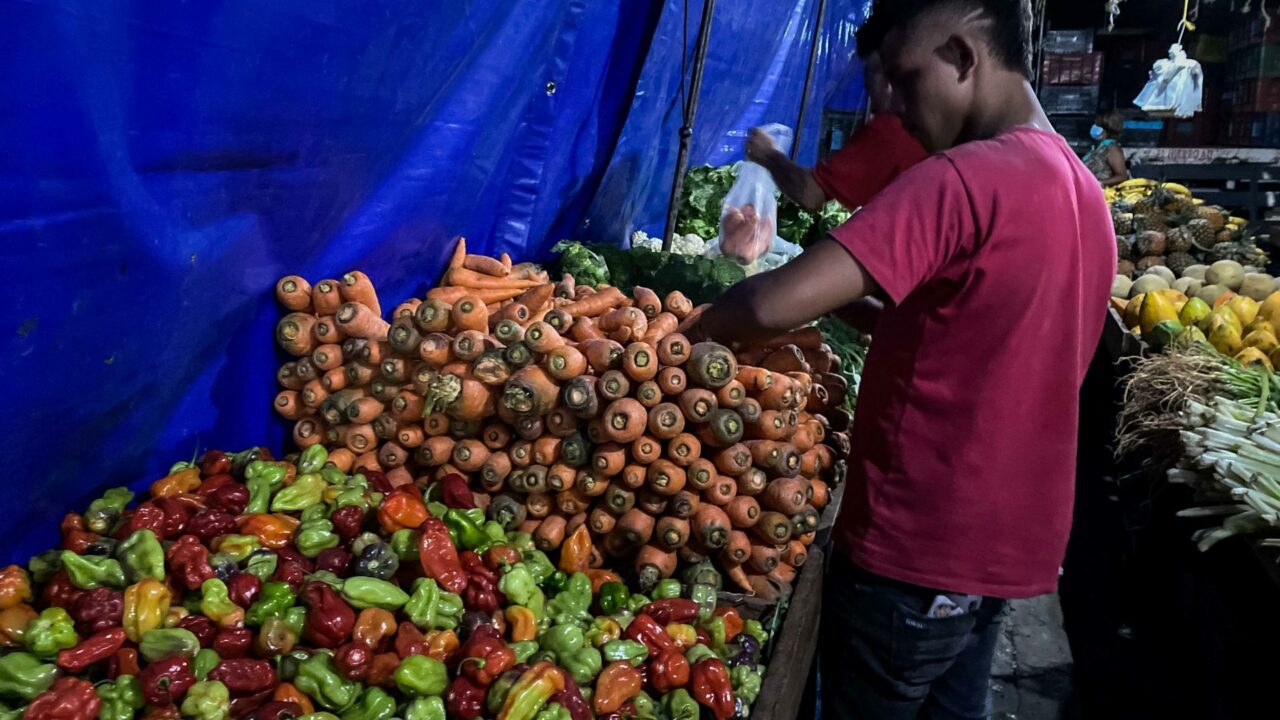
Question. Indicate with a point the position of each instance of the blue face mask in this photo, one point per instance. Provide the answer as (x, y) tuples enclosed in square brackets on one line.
[(1095, 132)]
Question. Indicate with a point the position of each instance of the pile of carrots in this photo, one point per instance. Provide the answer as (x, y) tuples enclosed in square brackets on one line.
[(569, 406)]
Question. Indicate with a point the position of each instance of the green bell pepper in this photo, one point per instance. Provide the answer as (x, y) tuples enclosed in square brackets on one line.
[(680, 705), (121, 698), (520, 587), (328, 578), (562, 639), (715, 628), (425, 708), (334, 476), (262, 565), (613, 597), (306, 490), (366, 592), (666, 589), (90, 571), (543, 655), (498, 691), (524, 650), (262, 478), (646, 708), (584, 664), (699, 652), (573, 605), (159, 644), (437, 509), (22, 675), (214, 601), (432, 608), (746, 683), (636, 603), (239, 547), (374, 704), (205, 660), (313, 459), (630, 650), (466, 530), (319, 511), (497, 534), (540, 566), (142, 556), (274, 599), (521, 541), (295, 618), (207, 700), (51, 631), (554, 711), (419, 675), (43, 566), (602, 630), (320, 680), (404, 543), (103, 512), (756, 630), (555, 584), (705, 596), (318, 716), (314, 537)]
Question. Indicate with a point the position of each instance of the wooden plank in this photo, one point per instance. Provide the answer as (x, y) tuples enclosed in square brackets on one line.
[(822, 538), (796, 645)]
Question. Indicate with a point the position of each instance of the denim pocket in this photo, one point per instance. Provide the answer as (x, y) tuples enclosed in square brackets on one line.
[(922, 648)]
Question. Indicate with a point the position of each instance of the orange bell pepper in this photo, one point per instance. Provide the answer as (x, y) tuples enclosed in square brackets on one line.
[(600, 577), (441, 645), (182, 481), (15, 587), (523, 623), (400, 510), (372, 626), (274, 531), (575, 553), (732, 621), (13, 624)]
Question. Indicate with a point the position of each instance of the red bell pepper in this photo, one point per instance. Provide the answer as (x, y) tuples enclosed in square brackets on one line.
[(646, 630), (485, 656), (464, 699), (68, 699), (711, 687), (330, 619), (244, 676), (455, 493), (97, 610), (353, 661), (570, 698), (188, 561), (669, 671), (165, 681), (95, 648), (671, 610), (439, 557)]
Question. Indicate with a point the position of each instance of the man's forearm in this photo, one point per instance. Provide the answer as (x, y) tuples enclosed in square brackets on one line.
[(862, 315), (794, 180)]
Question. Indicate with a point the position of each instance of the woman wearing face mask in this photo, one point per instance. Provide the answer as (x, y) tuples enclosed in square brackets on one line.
[(1106, 159)]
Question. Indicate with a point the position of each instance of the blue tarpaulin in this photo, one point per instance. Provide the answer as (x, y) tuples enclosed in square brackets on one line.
[(162, 162)]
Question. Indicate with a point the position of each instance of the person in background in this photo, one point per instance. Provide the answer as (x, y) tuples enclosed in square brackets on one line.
[(876, 154), (1106, 159), (994, 258)]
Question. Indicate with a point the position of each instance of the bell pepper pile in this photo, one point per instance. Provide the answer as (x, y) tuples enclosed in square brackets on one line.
[(245, 587)]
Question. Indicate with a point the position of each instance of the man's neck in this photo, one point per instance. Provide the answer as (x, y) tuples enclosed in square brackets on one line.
[(1009, 102)]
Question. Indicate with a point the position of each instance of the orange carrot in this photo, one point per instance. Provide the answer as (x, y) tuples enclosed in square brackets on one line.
[(459, 253), (754, 379), (406, 309), (432, 316), (308, 432), (327, 357), (542, 338), (294, 293), (469, 455), (684, 504), (496, 436), (368, 462), (435, 450), (781, 394), (779, 458), (358, 374), (479, 281), (752, 482), (743, 511), (468, 344), (391, 455), (772, 425), (289, 406), (537, 298), (734, 460), (495, 470), (601, 521), (364, 410), (677, 304), (819, 493), (486, 265), (316, 392), (671, 533), (361, 438), (773, 528), (640, 361), (595, 431), (591, 484), (802, 439), (684, 449), (342, 459), (673, 349), (359, 320), (665, 421), (596, 304), (795, 553), (632, 476), (660, 327), (763, 559), (701, 473), (625, 420), (561, 422), (328, 331), (566, 287), (522, 453), (698, 404), (723, 490), (665, 477), (623, 324), (649, 393), (731, 395), (288, 377), (607, 460), (469, 313), (295, 333), (647, 300), (601, 354), (635, 527), (356, 287), (672, 381), (436, 423), (784, 574), (546, 450), (516, 312), (738, 549), (654, 564), (326, 297), (436, 350), (531, 391), (410, 436), (538, 505), (710, 527)]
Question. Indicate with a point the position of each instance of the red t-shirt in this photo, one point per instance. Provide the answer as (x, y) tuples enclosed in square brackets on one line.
[(997, 258), (876, 154)]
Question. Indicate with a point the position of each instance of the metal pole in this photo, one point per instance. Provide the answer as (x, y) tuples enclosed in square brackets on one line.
[(808, 77), (691, 112)]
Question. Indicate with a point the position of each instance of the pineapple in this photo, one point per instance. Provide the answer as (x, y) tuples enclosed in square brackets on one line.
[(1124, 247), (1149, 262), (1125, 268), (1150, 243), (1201, 233), (1179, 240), (1146, 205), (1123, 223), (1177, 204), (1223, 236), (1213, 215), (1152, 221), (1243, 252), (1179, 261)]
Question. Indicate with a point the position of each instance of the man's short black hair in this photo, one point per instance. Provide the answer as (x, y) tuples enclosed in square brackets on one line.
[(1008, 24), (869, 37)]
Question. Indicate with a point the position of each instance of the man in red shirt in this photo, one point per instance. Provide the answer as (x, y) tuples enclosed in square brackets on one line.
[(994, 258), (876, 154)]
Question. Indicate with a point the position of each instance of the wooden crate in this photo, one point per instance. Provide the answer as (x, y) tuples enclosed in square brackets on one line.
[(1071, 69)]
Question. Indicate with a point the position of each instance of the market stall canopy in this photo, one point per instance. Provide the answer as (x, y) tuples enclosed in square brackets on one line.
[(164, 163)]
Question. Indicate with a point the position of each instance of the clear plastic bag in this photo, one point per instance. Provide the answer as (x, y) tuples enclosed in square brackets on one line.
[(1176, 87), (749, 217)]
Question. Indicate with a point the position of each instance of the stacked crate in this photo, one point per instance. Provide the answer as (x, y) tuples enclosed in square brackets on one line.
[(1070, 73), (1252, 94)]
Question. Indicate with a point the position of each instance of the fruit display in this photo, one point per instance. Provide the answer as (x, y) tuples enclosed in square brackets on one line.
[(568, 407), (1162, 225), (245, 587)]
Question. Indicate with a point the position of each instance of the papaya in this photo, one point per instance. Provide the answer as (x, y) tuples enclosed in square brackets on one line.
[(1225, 339), (1245, 308), (1192, 335), (1176, 298), (1221, 316), (1132, 312), (1156, 308), (1261, 340), (1223, 298), (1275, 358), (1259, 325), (1270, 308), (1253, 356), (1163, 334), (1193, 312)]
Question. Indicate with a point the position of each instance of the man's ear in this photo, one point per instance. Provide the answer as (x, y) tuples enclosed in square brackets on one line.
[(959, 52)]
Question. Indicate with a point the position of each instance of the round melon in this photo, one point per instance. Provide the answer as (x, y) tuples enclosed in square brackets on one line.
[(1227, 273), (1257, 286), (1146, 284), (1163, 272), (1120, 286), (1210, 293), (1195, 271), (1187, 286)]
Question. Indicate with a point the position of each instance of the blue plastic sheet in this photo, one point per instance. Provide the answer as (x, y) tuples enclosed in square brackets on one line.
[(162, 162)]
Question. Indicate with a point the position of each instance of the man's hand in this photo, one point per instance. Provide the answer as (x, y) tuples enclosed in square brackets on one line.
[(759, 145)]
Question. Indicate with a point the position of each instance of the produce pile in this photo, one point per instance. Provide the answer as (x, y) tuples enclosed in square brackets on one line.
[(569, 406), (701, 279), (1162, 225), (243, 587)]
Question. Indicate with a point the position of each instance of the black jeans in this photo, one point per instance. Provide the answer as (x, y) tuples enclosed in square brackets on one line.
[(883, 658)]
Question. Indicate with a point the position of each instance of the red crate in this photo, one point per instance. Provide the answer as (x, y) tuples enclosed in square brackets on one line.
[(1258, 95), (1072, 69)]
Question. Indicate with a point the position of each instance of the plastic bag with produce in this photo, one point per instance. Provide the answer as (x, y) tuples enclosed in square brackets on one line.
[(750, 212)]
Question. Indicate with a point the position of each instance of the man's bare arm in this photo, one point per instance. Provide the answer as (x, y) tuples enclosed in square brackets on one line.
[(825, 277), (794, 180), (862, 315)]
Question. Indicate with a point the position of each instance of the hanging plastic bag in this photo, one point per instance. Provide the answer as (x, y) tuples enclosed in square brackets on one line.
[(749, 215), (1176, 87)]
